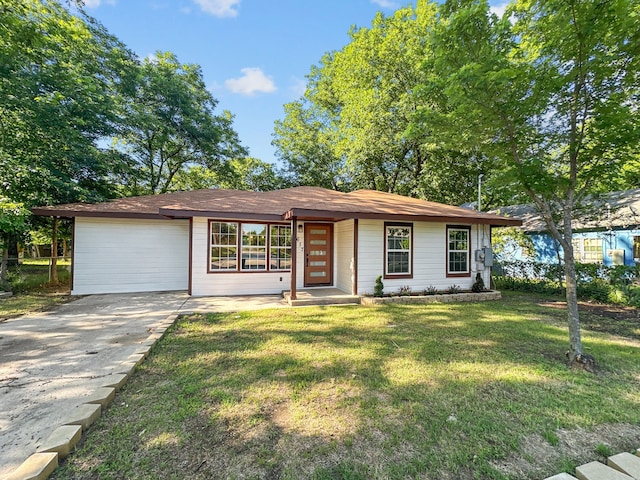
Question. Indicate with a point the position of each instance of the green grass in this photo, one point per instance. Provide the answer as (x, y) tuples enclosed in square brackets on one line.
[(29, 283), (387, 392)]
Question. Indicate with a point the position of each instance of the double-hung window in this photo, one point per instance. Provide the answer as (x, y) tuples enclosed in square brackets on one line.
[(280, 247), (224, 246), (249, 247), (254, 246), (588, 250), (458, 251), (398, 250)]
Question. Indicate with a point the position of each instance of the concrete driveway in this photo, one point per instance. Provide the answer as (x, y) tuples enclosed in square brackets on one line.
[(52, 363)]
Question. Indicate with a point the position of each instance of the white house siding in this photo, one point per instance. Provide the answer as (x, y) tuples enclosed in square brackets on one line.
[(220, 284), (429, 258), (113, 255), (344, 255)]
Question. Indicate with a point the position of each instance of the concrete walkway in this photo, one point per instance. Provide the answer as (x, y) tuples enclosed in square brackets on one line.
[(53, 363)]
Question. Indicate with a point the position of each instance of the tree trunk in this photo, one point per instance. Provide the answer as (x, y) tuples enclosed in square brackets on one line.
[(53, 272), (571, 286), (4, 264), (575, 341)]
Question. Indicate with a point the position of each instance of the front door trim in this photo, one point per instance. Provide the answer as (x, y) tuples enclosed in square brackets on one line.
[(310, 270)]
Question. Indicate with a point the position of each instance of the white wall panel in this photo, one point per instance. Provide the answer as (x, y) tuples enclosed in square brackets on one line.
[(221, 284), (113, 255), (429, 258), (344, 255)]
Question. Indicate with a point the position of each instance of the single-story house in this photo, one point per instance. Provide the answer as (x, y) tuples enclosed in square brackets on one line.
[(230, 242), (606, 231)]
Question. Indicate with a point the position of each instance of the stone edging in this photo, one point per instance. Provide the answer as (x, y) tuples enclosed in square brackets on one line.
[(437, 298), (64, 438)]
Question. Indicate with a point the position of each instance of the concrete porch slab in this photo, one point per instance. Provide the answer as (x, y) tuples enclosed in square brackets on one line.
[(321, 296)]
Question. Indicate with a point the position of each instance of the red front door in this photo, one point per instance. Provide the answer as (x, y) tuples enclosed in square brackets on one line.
[(318, 253)]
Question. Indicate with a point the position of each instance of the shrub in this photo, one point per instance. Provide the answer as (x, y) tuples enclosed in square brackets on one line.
[(454, 289), (478, 285), (430, 290), (378, 288), (596, 289), (405, 291)]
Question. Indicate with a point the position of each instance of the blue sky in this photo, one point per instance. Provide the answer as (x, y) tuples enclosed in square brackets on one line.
[(254, 54)]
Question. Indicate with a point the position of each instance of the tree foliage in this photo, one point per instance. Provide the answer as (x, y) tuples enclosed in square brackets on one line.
[(13, 219), (60, 78), (550, 90), (355, 126), (169, 125)]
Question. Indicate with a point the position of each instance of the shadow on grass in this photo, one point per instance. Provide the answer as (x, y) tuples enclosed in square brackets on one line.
[(438, 391)]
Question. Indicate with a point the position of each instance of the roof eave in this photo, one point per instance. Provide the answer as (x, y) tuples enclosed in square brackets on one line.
[(52, 212), (179, 213), (301, 213)]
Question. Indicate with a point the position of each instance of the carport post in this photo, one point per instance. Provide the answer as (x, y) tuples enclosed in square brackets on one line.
[(294, 251)]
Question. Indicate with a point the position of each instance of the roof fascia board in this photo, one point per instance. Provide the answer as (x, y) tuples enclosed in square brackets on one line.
[(312, 214), (44, 212), (168, 212)]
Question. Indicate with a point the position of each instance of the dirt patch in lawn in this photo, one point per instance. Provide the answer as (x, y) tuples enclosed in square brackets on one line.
[(614, 319), (570, 448)]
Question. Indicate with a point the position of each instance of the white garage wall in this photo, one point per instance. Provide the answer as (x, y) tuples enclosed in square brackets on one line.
[(113, 255)]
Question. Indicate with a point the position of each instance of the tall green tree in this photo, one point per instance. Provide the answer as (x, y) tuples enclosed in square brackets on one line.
[(169, 125), (355, 126), (305, 141), (551, 91), (240, 174), (60, 81)]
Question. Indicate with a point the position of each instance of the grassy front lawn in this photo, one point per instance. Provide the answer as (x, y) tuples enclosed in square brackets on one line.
[(432, 392), (32, 293)]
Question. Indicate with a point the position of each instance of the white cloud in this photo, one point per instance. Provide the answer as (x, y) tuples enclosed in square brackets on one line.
[(251, 82), (97, 3), (386, 3), (298, 87), (499, 9), (219, 8)]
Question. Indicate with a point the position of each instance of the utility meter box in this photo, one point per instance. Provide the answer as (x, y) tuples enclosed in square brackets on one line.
[(485, 256), (617, 256)]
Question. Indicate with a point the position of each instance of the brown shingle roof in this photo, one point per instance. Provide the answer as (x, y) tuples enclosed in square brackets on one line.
[(300, 202)]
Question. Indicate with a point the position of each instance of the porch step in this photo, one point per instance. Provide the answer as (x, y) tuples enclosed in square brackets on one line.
[(321, 296)]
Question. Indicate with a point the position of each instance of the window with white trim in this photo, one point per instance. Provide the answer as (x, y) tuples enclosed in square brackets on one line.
[(249, 247), (254, 247), (588, 250), (280, 247), (398, 239), (224, 246), (458, 251)]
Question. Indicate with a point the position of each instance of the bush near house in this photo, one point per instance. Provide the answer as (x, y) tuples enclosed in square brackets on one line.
[(597, 282)]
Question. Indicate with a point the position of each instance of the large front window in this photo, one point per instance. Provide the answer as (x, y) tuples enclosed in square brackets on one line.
[(398, 240), (249, 247), (458, 251)]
